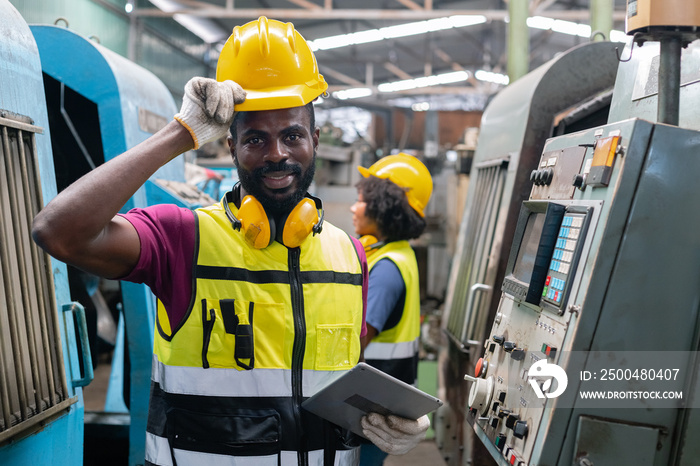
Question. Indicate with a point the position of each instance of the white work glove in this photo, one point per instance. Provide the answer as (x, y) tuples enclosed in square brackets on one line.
[(392, 434), (207, 108)]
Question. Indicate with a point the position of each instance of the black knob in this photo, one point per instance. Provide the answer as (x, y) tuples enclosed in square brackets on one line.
[(511, 419), (499, 339), (578, 181), (520, 429), (518, 354), (547, 176), (494, 422), (538, 178), (508, 346), (533, 175)]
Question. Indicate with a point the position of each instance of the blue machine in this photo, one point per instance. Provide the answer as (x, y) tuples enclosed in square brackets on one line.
[(75, 105), (40, 384)]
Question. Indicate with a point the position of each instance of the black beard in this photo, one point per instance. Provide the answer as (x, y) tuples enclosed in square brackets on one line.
[(252, 184)]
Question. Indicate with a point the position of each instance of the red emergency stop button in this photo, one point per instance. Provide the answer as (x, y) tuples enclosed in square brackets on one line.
[(481, 366)]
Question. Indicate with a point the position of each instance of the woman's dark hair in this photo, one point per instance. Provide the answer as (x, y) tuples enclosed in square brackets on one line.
[(388, 206)]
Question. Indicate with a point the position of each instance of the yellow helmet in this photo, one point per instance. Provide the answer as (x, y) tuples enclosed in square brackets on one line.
[(273, 63), (409, 173)]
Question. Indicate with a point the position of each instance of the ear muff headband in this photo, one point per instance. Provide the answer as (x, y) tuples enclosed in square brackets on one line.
[(260, 230)]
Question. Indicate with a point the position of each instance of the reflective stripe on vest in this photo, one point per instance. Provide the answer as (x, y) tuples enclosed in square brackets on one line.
[(233, 382), (378, 350), (158, 453), (266, 329)]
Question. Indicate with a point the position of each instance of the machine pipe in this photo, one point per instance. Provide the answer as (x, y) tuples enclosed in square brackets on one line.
[(669, 80)]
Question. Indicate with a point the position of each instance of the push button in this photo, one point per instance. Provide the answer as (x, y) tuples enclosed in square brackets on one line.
[(500, 441), (481, 367)]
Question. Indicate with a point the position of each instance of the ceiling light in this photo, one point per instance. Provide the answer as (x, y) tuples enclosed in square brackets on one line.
[(561, 26), (393, 32), (425, 81), (353, 93), (491, 77), (420, 107)]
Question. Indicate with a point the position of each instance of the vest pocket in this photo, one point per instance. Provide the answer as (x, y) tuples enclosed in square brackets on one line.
[(334, 346), (235, 433)]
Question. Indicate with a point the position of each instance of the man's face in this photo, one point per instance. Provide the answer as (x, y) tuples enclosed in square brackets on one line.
[(274, 152)]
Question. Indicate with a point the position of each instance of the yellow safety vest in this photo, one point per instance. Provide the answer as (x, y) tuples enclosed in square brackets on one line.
[(266, 329), (395, 350)]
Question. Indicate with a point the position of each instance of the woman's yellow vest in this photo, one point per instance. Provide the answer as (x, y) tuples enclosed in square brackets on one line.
[(395, 350), (266, 329)]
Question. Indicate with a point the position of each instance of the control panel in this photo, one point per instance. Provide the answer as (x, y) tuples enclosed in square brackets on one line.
[(571, 283)]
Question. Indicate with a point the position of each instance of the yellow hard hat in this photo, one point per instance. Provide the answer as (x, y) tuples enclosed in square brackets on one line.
[(273, 63), (409, 173)]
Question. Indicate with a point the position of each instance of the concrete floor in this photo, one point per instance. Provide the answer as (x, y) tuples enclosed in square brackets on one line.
[(426, 453)]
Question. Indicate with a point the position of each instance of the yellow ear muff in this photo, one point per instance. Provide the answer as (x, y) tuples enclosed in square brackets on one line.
[(300, 223), (255, 224), (371, 244)]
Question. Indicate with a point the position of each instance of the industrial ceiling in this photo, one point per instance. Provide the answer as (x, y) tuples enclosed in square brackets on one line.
[(462, 55)]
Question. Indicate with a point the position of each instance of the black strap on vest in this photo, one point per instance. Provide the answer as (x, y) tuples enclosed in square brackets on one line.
[(329, 440)]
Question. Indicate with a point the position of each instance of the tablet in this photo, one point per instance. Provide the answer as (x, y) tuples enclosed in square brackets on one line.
[(365, 389)]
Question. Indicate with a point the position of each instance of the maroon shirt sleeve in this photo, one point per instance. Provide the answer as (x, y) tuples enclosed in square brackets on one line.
[(167, 235)]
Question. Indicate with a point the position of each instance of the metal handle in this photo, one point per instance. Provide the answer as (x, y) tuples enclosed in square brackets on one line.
[(468, 318), (79, 312)]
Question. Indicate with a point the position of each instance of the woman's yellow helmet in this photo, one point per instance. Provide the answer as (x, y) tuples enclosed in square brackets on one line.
[(407, 172)]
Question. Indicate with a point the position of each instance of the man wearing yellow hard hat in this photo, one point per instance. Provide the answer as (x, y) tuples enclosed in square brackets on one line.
[(390, 211), (260, 303)]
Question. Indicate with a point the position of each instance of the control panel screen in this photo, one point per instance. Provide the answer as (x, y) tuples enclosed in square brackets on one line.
[(528, 249), (533, 244)]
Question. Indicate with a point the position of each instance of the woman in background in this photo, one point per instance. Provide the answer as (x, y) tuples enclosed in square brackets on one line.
[(389, 211)]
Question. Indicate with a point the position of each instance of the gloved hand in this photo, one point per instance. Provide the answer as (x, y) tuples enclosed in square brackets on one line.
[(207, 108), (392, 434)]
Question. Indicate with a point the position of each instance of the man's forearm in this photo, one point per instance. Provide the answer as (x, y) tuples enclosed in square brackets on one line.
[(80, 214)]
